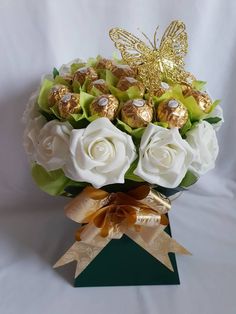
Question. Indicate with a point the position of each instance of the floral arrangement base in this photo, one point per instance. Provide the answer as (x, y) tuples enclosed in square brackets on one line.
[(124, 263)]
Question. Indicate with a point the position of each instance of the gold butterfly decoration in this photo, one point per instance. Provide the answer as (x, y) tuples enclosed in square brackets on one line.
[(155, 64)]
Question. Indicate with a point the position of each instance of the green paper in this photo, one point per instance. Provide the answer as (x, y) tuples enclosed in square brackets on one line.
[(53, 182), (130, 173), (188, 180), (43, 95), (124, 263), (213, 120)]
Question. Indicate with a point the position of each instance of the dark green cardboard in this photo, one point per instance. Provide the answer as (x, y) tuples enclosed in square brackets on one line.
[(124, 263)]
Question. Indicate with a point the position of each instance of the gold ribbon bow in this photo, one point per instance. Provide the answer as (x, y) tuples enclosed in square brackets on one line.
[(140, 214)]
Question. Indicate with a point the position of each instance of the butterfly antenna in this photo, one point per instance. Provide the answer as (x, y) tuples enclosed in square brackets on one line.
[(148, 39), (155, 37)]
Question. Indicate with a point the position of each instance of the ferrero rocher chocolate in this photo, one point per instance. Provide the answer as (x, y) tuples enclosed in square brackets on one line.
[(68, 104), (163, 88), (137, 113), (173, 112), (104, 64), (105, 106), (56, 93), (85, 73), (127, 82), (203, 99), (100, 84), (121, 70)]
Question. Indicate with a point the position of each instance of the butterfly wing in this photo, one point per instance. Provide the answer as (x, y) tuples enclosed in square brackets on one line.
[(173, 48), (137, 54)]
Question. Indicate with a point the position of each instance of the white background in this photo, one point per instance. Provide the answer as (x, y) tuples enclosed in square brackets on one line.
[(34, 37)]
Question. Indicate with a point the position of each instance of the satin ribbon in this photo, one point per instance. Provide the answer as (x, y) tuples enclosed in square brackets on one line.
[(140, 214)]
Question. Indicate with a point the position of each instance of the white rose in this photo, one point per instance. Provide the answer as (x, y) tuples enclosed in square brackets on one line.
[(32, 109), (217, 112), (52, 147), (100, 154), (65, 68), (164, 157), (202, 139), (31, 133)]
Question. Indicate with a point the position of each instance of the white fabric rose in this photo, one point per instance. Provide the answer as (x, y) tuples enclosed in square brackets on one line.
[(217, 112), (32, 109), (202, 139), (100, 154), (65, 68), (31, 133), (164, 157), (52, 147)]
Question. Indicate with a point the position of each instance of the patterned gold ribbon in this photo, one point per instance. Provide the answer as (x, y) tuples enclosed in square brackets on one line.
[(140, 214)]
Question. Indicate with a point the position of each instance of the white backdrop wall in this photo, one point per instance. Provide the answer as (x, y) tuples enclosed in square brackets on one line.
[(35, 36)]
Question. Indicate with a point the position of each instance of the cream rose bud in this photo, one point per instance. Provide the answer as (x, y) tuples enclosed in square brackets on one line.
[(164, 157), (202, 139), (100, 154), (53, 145)]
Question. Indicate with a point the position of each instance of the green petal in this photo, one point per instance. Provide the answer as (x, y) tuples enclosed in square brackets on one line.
[(199, 85)]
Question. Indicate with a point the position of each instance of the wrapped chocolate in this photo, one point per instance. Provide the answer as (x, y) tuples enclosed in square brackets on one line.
[(137, 113), (203, 99), (100, 84), (121, 70), (173, 112), (105, 106), (127, 82), (69, 104), (163, 88), (104, 64), (56, 93), (85, 73)]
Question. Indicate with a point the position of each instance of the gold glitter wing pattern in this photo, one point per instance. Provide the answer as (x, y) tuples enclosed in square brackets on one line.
[(153, 64)]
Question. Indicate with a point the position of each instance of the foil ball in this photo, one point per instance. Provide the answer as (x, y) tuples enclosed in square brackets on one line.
[(163, 88), (69, 104), (127, 82), (137, 113), (85, 73), (203, 99), (121, 70), (100, 84), (104, 64), (105, 106), (173, 112), (56, 93)]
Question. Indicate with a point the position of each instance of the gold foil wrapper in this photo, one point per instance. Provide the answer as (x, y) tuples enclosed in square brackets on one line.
[(163, 88), (127, 82), (104, 64), (69, 104), (173, 112), (137, 113), (105, 106), (203, 99), (85, 73), (56, 93), (122, 70), (100, 84)]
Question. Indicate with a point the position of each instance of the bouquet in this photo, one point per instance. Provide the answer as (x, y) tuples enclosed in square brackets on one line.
[(119, 137)]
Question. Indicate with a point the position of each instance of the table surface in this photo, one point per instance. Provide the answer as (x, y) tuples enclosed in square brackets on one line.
[(35, 36)]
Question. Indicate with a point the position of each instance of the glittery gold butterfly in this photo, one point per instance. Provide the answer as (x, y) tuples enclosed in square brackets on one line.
[(155, 64)]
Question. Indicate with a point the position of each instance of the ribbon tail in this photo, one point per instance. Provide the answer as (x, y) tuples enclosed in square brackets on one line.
[(83, 253), (159, 246)]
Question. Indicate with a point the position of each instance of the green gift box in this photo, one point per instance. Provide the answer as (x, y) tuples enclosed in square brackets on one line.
[(124, 263)]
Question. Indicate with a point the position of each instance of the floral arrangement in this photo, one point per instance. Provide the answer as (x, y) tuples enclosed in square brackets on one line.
[(140, 130)]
